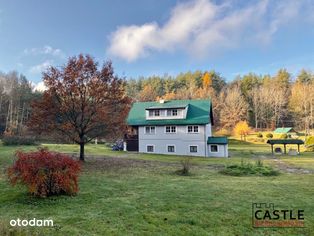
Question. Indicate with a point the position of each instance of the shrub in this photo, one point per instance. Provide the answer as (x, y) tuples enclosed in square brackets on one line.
[(259, 135), (284, 136), (269, 135), (309, 144), (247, 169), (45, 173), (186, 163), (9, 140)]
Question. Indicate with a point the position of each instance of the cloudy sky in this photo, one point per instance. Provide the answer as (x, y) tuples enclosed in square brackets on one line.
[(150, 37)]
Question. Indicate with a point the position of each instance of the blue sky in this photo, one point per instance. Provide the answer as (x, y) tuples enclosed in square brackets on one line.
[(149, 37)]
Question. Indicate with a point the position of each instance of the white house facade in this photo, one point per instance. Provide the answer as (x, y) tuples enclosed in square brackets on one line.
[(179, 127)]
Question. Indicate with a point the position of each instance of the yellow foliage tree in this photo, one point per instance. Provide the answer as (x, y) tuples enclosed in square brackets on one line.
[(207, 80), (242, 128)]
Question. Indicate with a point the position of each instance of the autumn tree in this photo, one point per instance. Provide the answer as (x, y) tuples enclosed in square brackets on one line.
[(233, 107), (302, 104), (242, 128), (207, 80), (147, 94), (81, 102)]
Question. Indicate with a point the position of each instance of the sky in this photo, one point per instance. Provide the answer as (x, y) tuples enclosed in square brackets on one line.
[(150, 37)]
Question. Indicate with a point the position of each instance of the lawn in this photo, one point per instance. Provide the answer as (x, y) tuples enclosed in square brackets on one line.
[(139, 194)]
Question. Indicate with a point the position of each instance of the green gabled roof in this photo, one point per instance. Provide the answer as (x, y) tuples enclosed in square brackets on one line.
[(285, 141), (217, 140), (199, 112), (284, 130)]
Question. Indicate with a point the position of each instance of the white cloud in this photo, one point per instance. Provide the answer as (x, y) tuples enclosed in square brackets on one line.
[(37, 69), (40, 87), (46, 50), (201, 27)]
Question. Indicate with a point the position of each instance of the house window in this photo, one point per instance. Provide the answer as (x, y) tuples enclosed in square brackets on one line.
[(150, 148), (193, 148), (171, 148), (171, 129), (151, 113), (193, 129), (173, 112), (157, 113), (150, 129), (213, 148)]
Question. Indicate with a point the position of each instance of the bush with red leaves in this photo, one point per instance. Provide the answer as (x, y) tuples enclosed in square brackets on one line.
[(45, 173)]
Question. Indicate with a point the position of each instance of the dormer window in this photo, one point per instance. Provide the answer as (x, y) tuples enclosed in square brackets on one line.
[(172, 112), (153, 113), (166, 113)]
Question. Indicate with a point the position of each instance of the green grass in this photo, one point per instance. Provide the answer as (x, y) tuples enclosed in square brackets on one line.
[(140, 194)]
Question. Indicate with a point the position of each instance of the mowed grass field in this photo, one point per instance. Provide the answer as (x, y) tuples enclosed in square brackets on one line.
[(140, 194)]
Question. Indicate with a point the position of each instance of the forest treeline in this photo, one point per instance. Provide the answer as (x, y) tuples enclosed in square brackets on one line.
[(16, 95), (264, 101)]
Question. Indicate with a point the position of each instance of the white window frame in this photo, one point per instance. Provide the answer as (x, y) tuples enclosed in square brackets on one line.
[(193, 146), (155, 111), (150, 129), (152, 146), (174, 148), (214, 145), (172, 111), (193, 132), (171, 129)]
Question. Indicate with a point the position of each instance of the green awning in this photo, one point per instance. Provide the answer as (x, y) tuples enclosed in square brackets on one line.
[(217, 140)]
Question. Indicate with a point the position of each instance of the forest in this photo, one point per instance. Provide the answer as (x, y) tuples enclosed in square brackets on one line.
[(264, 101), (16, 96)]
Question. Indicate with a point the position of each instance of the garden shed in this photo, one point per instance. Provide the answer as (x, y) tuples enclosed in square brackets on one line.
[(287, 130)]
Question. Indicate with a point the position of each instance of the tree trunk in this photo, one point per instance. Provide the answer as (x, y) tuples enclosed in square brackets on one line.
[(82, 151)]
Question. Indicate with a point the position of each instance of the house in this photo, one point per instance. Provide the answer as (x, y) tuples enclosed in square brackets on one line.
[(180, 127)]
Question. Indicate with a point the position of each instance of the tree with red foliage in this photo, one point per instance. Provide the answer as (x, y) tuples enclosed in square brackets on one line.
[(45, 173), (81, 102)]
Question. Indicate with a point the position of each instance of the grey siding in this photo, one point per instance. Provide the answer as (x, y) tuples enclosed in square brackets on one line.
[(181, 140), (222, 151)]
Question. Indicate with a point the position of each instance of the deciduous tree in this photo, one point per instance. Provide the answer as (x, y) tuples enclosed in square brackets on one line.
[(242, 128), (82, 102)]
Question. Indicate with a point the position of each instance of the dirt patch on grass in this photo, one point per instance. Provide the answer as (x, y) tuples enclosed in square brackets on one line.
[(281, 165)]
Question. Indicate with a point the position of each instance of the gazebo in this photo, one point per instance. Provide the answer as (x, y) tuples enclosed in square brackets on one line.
[(284, 142)]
